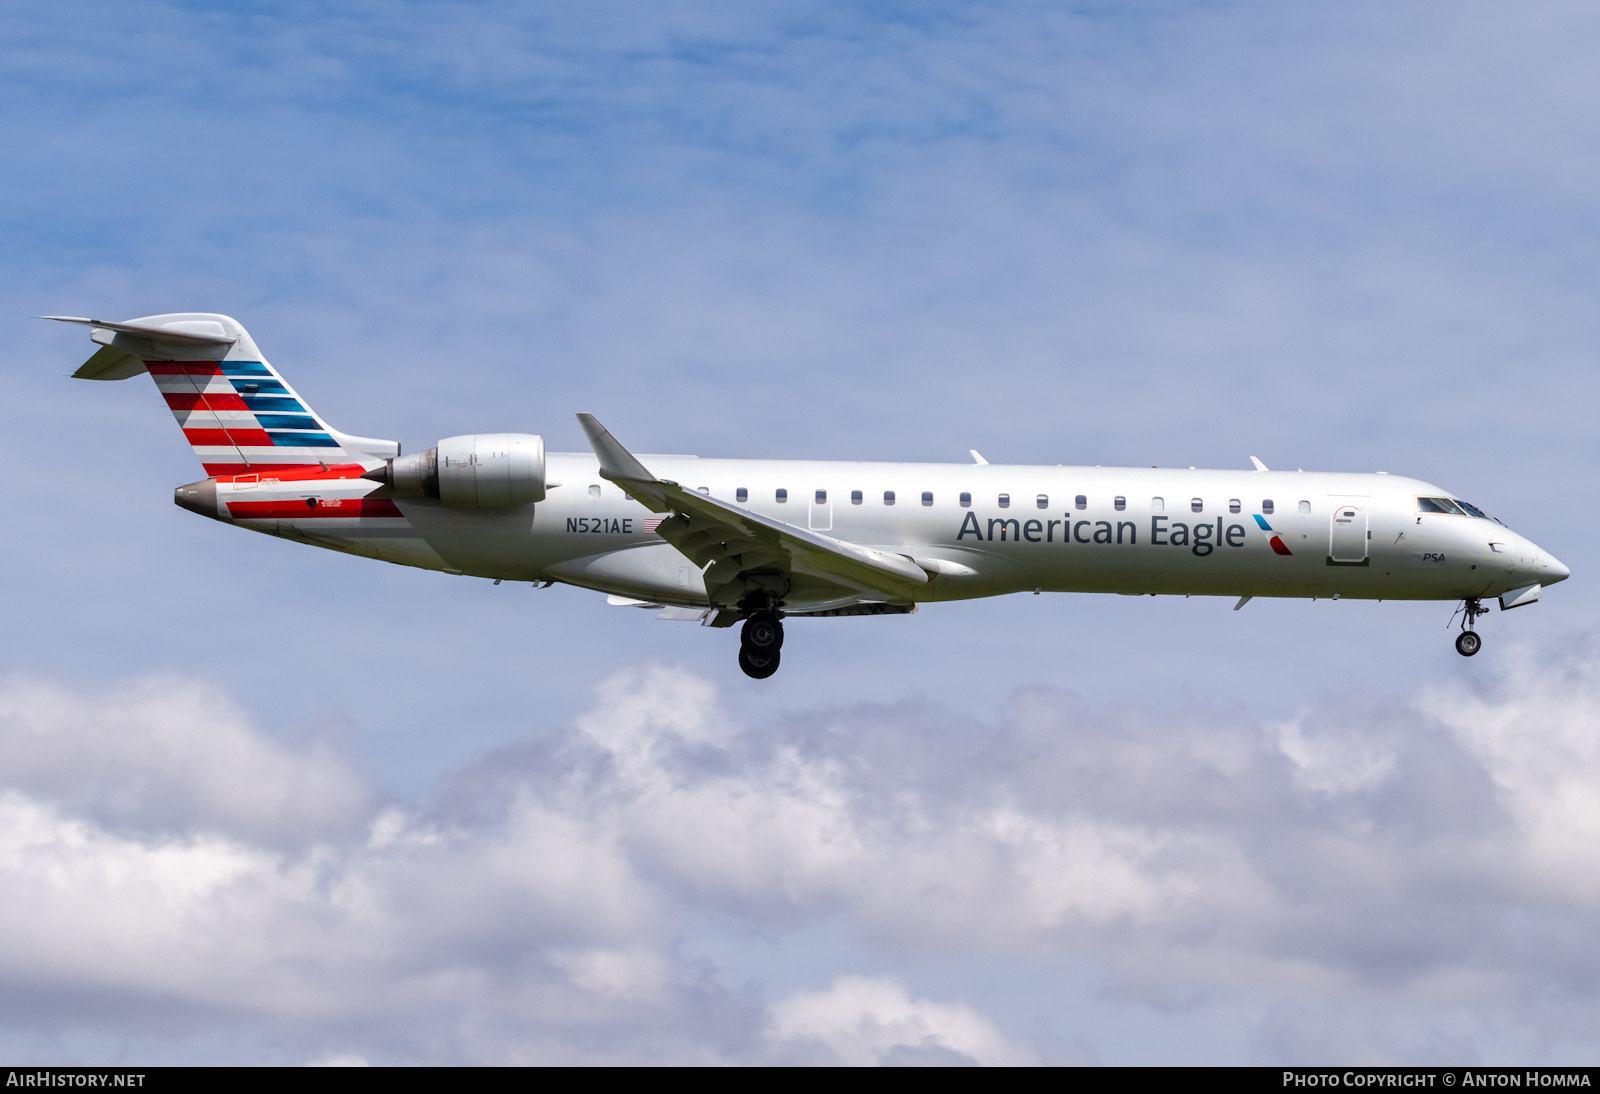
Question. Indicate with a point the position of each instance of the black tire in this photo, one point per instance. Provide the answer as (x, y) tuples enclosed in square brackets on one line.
[(760, 666), (762, 634), (1468, 643)]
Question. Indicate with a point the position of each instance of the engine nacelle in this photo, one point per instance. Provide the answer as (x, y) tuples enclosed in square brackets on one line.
[(479, 471)]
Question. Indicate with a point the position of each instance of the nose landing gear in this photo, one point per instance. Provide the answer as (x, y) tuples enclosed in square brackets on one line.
[(759, 644), (1468, 642)]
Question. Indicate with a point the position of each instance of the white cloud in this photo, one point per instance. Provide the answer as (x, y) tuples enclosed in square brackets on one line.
[(863, 1021), (534, 909), (175, 754), (339, 1059), (1538, 737), (1339, 765)]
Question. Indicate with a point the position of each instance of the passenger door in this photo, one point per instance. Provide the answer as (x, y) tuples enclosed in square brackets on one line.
[(1347, 536)]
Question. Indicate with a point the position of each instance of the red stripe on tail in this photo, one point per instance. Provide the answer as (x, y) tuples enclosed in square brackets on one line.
[(205, 402), (220, 470), (245, 438), (289, 472)]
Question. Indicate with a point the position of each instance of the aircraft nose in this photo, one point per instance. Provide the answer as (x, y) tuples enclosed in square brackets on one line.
[(1554, 570)]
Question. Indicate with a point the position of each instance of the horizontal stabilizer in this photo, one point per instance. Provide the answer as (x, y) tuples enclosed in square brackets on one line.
[(110, 364), (163, 334)]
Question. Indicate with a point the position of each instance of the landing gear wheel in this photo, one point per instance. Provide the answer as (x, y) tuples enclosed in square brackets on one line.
[(758, 666), (762, 634), (1468, 643)]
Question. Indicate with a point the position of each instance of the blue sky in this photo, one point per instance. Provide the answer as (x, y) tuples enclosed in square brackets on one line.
[(1335, 237)]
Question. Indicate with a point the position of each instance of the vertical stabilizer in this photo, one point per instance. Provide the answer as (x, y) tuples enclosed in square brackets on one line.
[(238, 414)]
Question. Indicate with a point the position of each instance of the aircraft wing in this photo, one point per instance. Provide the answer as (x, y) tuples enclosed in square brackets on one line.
[(741, 547)]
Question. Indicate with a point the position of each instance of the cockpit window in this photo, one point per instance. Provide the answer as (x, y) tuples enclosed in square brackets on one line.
[(1438, 505), (1472, 510)]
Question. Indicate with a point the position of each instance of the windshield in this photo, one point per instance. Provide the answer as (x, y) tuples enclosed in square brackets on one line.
[(1475, 511), (1438, 505)]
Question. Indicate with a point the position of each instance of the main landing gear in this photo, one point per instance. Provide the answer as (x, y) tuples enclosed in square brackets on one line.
[(759, 644), (1468, 642)]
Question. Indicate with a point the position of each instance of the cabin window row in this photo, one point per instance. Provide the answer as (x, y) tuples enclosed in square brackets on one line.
[(1198, 505), (781, 496), (1041, 501)]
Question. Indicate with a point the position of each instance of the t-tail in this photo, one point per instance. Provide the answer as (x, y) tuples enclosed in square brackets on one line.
[(238, 414)]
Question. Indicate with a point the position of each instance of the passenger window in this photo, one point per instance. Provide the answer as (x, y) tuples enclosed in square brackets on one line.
[(1157, 505), (594, 491), (1266, 506), (1080, 502), (1120, 503), (782, 496), (741, 494), (855, 497), (927, 497), (966, 500), (1305, 506), (822, 497), (1042, 501), (1438, 505), (888, 497), (1196, 505), (1005, 501), (1233, 505)]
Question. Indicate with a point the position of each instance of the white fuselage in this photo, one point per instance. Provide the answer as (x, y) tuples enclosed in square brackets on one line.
[(1059, 529)]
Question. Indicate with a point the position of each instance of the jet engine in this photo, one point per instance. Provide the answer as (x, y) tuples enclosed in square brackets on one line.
[(479, 471)]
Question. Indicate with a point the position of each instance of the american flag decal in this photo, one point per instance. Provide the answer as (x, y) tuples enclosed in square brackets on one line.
[(652, 523)]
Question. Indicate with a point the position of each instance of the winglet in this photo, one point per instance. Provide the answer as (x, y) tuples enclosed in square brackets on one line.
[(616, 462), (1259, 465), (977, 459)]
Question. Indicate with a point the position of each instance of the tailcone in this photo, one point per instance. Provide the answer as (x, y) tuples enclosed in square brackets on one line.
[(199, 497)]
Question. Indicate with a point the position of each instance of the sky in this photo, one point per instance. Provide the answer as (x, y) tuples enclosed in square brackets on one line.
[(261, 803)]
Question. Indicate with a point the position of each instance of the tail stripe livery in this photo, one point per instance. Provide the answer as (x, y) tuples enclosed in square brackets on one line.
[(237, 429), (236, 412)]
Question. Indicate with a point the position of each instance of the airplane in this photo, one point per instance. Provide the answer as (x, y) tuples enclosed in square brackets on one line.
[(754, 542)]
